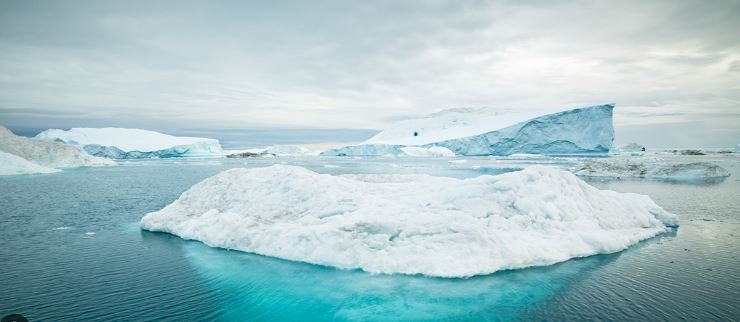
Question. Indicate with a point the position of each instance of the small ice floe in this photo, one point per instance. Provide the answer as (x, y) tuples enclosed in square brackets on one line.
[(62, 228), (89, 233), (435, 151), (331, 166), (652, 168), (458, 161)]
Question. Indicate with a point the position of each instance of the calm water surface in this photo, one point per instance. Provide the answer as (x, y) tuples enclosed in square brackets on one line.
[(72, 250)]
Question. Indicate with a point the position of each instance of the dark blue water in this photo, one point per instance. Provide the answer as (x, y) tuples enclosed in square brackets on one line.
[(72, 250)]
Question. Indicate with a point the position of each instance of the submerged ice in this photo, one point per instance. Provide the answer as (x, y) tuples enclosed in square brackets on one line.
[(481, 132), (411, 224)]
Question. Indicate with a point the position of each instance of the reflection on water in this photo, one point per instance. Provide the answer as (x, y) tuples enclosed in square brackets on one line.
[(273, 289)]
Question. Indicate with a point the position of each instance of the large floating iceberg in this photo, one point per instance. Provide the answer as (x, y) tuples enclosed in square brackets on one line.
[(654, 168), (11, 164), (411, 224), (482, 132), (118, 143), (48, 154)]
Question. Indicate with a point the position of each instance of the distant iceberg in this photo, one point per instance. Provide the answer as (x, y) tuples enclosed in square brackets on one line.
[(652, 168), (11, 164), (470, 132), (48, 154), (632, 147), (411, 224), (435, 151), (390, 150), (272, 151), (118, 143)]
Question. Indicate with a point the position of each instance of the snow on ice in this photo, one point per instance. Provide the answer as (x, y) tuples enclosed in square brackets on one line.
[(482, 132), (119, 143), (48, 154), (411, 224)]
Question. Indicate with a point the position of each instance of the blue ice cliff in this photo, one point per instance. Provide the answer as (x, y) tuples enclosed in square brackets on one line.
[(579, 131), (118, 143)]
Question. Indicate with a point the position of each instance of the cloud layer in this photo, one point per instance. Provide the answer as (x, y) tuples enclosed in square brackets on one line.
[(348, 64)]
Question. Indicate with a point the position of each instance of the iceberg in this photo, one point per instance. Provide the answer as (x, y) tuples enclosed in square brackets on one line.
[(11, 164), (632, 147), (390, 150), (652, 168), (118, 143), (410, 224), (46, 153), (472, 132), (435, 151), (271, 151)]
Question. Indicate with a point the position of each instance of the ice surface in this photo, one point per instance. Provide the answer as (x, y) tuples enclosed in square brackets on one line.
[(11, 164), (118, 143), (47, 153), (578, 131), (411, 224), (448, 124), (652, 168)]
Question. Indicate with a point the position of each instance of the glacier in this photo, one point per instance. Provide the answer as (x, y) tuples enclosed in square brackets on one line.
[(121, 143), (471, 132), (46, 153), (11, 164), (410, 224), (655, 168)]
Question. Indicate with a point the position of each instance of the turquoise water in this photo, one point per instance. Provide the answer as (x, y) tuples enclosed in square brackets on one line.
[(72, 250)]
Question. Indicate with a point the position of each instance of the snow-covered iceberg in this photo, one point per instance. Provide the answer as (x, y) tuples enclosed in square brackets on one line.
[(411, 224), (586, 130), (46, 153), (11, 164), (655, 168), (118, 143)]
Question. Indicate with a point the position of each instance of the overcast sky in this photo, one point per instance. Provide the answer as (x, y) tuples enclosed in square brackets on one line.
[(672, 67)]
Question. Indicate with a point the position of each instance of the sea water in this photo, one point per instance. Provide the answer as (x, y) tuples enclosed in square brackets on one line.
[(72, 250)]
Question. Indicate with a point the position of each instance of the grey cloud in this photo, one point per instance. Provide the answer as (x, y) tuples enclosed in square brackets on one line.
[(339, 64)]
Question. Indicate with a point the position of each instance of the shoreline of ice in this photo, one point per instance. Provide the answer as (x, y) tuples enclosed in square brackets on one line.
[(411, 224)]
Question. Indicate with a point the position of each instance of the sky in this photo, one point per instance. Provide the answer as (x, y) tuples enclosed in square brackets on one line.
[(339, 70)]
